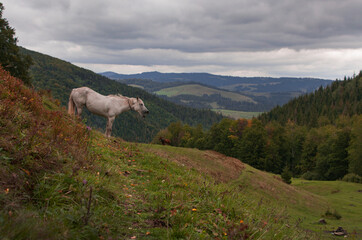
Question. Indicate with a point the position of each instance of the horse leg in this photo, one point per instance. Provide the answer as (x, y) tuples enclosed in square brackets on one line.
[(79, 111), (79, 107), (109, 126)]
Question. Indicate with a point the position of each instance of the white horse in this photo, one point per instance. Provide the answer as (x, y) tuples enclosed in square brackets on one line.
[(107, 106)]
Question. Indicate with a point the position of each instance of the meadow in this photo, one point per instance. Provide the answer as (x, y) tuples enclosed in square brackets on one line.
[(200, 90), (236, 114)]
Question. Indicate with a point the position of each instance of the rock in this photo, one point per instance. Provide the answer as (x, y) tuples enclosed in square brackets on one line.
[(322, 221), (339, 232)]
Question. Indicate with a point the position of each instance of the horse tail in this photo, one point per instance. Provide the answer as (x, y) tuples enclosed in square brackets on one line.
[(71, 105)]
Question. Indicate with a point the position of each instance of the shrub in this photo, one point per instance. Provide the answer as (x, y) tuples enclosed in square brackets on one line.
[(310, 176), (286, 175), (35, 140), (352, 177)]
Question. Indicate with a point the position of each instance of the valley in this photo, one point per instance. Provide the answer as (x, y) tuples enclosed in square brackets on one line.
[(207, 91)]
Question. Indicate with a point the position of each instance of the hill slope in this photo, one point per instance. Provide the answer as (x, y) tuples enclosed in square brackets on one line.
[(61, 77), (60, 180), (325, 104)]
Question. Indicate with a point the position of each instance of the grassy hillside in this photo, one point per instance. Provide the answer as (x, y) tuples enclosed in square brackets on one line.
[(61, 77), (62, 180), (237, 114), (344, 200), (199, 90)]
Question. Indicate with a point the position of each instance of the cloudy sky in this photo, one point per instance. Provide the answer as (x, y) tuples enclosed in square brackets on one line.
[(299, 38)]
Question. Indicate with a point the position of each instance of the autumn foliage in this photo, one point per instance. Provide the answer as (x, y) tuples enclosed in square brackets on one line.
[(34, 139)]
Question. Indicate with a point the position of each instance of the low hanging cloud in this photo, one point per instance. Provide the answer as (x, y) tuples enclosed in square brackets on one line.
[(272, 38)]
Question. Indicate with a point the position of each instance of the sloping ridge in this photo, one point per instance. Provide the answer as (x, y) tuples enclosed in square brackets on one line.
[(231, 170)]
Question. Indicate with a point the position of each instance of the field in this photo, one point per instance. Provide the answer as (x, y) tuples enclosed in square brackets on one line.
[(237, 114), (199, 90), (344, 200)]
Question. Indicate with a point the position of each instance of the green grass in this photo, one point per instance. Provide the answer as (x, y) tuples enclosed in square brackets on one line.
[(199, 90), (135, 85), (60, 180), (237, 114), (139, 193), (343, 197)]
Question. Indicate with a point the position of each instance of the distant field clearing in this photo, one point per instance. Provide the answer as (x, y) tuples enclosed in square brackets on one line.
[(236, 114), (199, 90), (135, 85)]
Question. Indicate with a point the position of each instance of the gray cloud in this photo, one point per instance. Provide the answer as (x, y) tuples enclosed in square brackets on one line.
[(163, 32)]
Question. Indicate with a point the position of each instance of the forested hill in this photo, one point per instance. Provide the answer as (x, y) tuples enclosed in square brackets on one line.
[(61, 77), (342, 97)]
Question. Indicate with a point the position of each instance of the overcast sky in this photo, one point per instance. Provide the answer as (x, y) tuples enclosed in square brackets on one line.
[(298, 38)]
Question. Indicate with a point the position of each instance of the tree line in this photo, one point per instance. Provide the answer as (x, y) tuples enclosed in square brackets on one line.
[(326, 152)]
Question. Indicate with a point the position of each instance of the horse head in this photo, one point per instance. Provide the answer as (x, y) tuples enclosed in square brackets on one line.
[(138, 106)]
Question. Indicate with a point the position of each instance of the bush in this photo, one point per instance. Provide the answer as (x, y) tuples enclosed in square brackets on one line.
[(310, 176), (352, 177), (286, 175)]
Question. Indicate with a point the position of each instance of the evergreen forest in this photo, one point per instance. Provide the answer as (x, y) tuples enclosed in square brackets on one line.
[(317, 136)]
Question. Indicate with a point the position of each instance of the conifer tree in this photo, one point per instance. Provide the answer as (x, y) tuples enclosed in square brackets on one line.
[(286, 175), (355, 148), (10, 58)]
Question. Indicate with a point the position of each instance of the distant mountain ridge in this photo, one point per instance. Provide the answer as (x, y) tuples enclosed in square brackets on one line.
[(240, 84), (264, 92)]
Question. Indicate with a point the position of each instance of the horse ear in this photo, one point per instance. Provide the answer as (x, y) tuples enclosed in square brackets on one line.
[(137, 98)]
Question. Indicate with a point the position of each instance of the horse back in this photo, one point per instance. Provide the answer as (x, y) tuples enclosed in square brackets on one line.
[(82, 94)]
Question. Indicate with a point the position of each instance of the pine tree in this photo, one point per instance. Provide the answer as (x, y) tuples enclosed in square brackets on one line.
[(355, 147), (286, 175), (10, 58)]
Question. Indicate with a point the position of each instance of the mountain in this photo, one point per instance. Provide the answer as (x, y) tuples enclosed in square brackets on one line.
[(61, 77), (343, 97), (264, 92), (241, 84)]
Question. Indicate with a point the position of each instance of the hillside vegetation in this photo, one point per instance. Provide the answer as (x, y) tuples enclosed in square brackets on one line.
[(61, 77), (61, 180), (199, 90), (325, 145), (322, 106)]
